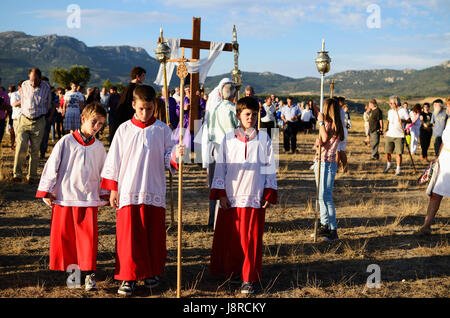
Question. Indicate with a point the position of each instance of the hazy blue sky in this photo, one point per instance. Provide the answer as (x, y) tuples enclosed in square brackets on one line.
[(278, 36)]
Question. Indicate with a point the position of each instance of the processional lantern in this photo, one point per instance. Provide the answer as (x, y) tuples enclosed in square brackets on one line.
[(323, 62), (236, 75)]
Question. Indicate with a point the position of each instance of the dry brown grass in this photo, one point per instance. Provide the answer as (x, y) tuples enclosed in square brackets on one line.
[(376, 214)]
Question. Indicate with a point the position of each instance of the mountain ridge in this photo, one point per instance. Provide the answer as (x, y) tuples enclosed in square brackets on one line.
[(20, 51)]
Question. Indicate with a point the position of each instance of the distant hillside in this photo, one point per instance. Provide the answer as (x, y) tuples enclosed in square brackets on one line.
[(19, 52), (364, 84)]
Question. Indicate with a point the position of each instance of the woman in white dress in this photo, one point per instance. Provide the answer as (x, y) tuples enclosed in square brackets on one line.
[(73, 103), (442, 185)]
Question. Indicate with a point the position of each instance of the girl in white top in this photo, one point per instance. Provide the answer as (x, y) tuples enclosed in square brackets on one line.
[(245, 183), (442, 186), (70, 184)]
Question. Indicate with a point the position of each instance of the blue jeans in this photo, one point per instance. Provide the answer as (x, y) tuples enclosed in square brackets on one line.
[(327, 211)]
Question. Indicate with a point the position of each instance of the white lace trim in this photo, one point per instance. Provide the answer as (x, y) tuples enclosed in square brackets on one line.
[(244, 201), (218, 183), (142, 198)]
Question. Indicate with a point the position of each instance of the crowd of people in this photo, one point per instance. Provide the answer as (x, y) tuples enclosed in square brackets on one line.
[(80, 176), (405, 126)]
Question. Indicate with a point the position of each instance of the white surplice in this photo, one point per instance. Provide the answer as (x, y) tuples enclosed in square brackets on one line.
[(72, 173), (137, 160), (244, 168)]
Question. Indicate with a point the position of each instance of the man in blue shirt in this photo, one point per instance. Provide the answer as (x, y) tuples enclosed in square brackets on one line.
[(290, 114)]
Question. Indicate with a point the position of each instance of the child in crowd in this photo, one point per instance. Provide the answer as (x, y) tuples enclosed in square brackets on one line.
[(134, 172), (245, 183), (331, 132), (70, 184)]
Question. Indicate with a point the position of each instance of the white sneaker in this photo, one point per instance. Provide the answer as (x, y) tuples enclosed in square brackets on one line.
[(90, 283), (397, 171), (127, 288), (388, 167), (247, 288)]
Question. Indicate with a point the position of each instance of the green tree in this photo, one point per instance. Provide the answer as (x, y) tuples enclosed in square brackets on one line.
[(77, 73), (108, 84), (61, 76)]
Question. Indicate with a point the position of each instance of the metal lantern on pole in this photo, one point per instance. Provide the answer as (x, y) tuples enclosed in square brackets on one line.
[(236, 75), (323, 62)]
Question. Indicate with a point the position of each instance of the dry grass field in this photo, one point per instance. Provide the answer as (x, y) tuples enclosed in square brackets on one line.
[(377, 214)]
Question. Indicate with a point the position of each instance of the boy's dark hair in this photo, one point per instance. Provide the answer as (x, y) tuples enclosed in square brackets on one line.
[(247, 103), (137, 71), (94, 109), (440, 101), (144, 93), (340, 99)]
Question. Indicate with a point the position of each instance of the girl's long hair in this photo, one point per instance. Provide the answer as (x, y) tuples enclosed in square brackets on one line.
[(332, 114)]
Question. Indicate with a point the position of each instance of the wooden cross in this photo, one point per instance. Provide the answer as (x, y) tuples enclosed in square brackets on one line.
[(196, 45)]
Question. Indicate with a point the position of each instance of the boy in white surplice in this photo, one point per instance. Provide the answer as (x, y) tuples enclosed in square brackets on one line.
[(245, 183)]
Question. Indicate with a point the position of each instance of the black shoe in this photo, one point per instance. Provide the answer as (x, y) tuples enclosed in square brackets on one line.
[(332, 236), (323, 230)]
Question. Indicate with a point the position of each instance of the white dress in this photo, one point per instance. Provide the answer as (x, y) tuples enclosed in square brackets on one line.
[(442, 185), (72, 119)]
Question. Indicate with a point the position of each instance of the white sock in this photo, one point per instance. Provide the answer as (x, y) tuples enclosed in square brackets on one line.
[(398, 168), (389, 164)]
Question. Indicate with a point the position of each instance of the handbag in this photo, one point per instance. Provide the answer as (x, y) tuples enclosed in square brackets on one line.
[(427, 174), (430, 176)]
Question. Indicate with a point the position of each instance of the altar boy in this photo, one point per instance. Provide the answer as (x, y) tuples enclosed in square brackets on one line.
[(70, 184), (134, 171), (245, 183)]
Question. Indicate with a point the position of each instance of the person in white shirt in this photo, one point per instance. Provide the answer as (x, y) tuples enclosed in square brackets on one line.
[(15, 103), (268, 121), (290, 114), (306, 119), (397, 118)]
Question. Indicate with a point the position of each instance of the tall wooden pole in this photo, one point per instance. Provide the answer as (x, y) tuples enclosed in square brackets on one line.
[(404, 137), (166, 97), (319, 164)]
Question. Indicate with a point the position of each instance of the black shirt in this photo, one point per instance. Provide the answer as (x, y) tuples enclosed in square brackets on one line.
[(374, 119)]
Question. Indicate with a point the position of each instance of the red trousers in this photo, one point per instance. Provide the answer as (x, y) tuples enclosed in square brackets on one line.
[(73, 238), (237, 243), (140, 242)]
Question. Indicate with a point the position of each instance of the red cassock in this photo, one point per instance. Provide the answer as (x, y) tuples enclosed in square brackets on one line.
[(73, 238), (238, 235), (135, 167), (72, 176)]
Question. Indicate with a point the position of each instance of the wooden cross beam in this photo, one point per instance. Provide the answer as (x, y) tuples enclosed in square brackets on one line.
[(196, 45)]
